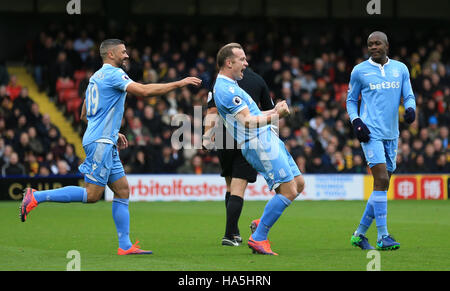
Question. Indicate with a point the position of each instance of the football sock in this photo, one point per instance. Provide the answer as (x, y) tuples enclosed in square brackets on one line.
[(234, 209), (380, 209), (121, 217), (366, 219), (227, 197), (273, 210), (64, 195)]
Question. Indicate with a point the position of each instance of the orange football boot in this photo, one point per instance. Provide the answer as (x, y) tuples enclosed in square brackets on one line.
[(28, 203), (261, 247), (134, 250)]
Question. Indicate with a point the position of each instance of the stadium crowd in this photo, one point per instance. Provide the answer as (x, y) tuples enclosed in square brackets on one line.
[(310, 72)]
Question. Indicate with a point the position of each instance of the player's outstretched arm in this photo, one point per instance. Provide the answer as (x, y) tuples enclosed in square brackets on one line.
[(147, 90)]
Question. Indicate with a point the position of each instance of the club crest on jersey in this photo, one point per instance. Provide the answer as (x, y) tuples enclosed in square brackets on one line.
[(237, 101), (395, 73)]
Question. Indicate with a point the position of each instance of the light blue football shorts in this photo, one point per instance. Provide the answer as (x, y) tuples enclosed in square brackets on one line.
[(102, 165), (268, 155), (381, 152)]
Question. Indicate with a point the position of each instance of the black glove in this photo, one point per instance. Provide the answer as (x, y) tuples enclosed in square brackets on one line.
[(410, 115), (361, 130)]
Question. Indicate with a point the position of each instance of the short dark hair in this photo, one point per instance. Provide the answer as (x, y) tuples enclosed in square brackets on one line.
[(226, 52), (381, 35), (107, 44)]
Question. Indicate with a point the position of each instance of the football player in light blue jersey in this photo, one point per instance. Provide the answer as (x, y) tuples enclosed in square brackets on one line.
[(382, 83), (103, 108), (260, 146)]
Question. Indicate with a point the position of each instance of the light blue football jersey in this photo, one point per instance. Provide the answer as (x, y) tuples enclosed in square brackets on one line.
[(381, 88), (105, 100), (231, 99)]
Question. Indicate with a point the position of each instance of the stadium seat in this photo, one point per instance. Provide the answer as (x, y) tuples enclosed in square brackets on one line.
[(73, 105), (67, 94), (79, 75), (64, 84)]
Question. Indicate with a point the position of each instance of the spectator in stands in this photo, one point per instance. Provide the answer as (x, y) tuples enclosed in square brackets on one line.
[(168, 161), (429, 157), (62, 168), (13, 88), (82, 45), (141, 164), (358, 165), (63, 69), (6, 154), (23, 146), (5, 104), (419, 165), (31, 164), (50, 162), (44, 171), (442, 165), (59, 147), (338, 162), (73, 57), (35, 142), (23, 102), (35, 117), (13, 167), (443, 135), (93, 61), (194, 166), (71, 158), (151, 121), (317, 166)]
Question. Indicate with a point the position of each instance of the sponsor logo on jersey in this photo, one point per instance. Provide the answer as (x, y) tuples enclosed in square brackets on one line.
[(385, 85)]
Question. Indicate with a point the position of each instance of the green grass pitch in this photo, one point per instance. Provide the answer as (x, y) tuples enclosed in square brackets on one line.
[(185, 236)]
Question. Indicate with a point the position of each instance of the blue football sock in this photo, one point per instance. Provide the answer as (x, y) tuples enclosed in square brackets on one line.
[(121, 217), (273, 210), (380, 209), (366, 219), (382, 231), (64, 195)]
